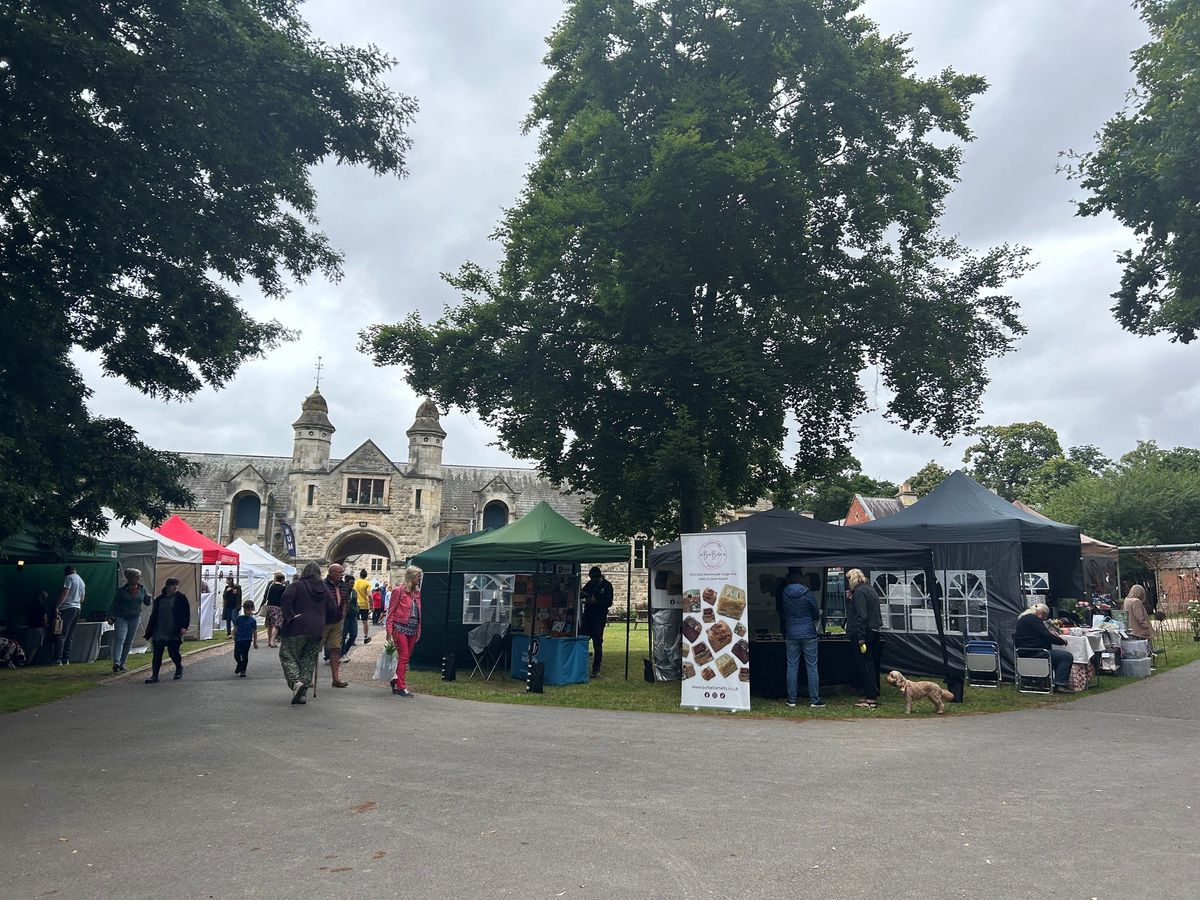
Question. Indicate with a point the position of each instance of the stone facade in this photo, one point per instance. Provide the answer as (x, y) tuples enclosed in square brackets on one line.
[(366, 509)]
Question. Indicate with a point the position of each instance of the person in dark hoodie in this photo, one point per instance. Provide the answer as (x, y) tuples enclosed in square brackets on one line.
[(305, 607), (863, 624), (170, 617), (799, 613)]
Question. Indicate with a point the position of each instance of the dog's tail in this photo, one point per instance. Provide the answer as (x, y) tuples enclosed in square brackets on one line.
[(946, 695)]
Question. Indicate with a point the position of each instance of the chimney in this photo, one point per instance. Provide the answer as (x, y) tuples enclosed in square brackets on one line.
[(906, 495)]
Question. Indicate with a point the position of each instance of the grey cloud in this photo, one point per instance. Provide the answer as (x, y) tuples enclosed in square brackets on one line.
[(1056, 70)]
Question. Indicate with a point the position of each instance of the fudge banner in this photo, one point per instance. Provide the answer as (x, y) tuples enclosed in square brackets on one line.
[(715, 649)]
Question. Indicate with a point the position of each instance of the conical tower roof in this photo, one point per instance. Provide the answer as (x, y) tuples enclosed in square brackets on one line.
[(427, 421), (314, 413)]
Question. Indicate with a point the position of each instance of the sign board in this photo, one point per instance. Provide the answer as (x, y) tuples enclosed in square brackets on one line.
[(715, 645)]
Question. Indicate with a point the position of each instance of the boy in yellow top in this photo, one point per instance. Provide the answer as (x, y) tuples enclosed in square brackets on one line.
[(362, 593)]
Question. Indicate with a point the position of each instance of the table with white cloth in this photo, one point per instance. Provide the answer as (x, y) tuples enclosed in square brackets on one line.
[(1084, 646)]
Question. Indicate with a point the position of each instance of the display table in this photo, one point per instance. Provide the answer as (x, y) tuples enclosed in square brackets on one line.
[(565, 658), (85, 642), (1084, 646), (768, 666)]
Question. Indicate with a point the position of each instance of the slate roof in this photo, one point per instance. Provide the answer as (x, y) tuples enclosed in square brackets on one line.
[(460, 483), (879, 507), (216, 468)]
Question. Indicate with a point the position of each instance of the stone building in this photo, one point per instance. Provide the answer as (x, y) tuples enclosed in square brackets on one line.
[(365, 507)]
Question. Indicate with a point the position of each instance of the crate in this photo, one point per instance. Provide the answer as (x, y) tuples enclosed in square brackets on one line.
[(1136, 668)]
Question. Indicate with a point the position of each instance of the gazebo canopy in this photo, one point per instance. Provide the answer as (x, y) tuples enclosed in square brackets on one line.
[(214, 554), (539, 535), (780, 537)]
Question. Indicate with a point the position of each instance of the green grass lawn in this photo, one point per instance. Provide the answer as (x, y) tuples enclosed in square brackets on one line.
[(611, 691), (34, 685)]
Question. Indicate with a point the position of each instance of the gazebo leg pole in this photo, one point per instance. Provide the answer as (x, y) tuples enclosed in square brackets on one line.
[(629, 611)]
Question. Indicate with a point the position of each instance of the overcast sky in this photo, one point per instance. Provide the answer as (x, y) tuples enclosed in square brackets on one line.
[(1056, 72)]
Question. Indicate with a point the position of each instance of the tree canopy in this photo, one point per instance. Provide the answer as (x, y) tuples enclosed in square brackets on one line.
[(734, 209), (153, 157), (1146, 172), (930, 476), (1007, 457), (1149, 496), (828, 498)]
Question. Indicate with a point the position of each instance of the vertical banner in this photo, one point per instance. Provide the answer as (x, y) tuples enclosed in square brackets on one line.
[(715, 648), (289, 539)]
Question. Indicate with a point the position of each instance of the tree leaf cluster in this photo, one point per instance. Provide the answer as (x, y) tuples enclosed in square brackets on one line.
[(734, 210), (153, 158), (1145, 171)]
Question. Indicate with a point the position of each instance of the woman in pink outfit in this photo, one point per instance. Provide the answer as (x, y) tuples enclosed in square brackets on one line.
[(404, 624)]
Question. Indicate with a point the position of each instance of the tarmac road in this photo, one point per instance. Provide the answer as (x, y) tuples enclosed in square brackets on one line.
[(217, 787)]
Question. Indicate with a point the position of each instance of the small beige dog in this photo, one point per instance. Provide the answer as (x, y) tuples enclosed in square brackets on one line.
[(915, 690)]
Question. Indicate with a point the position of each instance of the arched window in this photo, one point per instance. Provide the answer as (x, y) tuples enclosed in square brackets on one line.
[(495, 515), (245, 511)]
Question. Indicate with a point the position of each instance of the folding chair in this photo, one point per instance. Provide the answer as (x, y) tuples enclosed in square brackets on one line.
[(983, 664), (1035, 675), (486, 643)]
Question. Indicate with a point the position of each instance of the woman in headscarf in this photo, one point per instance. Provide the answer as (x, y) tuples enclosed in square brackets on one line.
[(404, 625), (1139, 619)]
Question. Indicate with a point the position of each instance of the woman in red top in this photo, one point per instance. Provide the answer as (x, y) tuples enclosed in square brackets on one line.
[(404, 624)]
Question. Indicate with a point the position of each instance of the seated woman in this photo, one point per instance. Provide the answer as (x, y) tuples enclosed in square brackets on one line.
[(1032, 634)]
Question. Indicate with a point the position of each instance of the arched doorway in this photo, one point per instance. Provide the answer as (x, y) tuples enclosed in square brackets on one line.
[(495, 514), (360, 542), (246, 510)]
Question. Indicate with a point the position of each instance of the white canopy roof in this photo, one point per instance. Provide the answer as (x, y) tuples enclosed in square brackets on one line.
[(255, 556), (137, 533)]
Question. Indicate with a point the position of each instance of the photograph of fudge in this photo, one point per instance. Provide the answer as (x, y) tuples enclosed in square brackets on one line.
[(701, 654), (726, 664), (691, 601), (684, 649), (741, 650), (689, 671), (744, 675), (732, 602), (691, 628), (739, 629), (710, 596), (709, 616), (719, 636), (708, 673)]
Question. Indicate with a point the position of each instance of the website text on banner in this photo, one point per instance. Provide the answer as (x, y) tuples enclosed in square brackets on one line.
[(716, 651)]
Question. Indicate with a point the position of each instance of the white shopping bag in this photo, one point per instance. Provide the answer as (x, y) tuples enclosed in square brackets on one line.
[(385, 669)]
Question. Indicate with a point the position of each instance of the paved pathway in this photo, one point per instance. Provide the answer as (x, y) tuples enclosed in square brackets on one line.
[(216, 787)]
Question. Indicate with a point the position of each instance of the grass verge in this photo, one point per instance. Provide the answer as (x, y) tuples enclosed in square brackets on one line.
[(611, 691), (34, 685)]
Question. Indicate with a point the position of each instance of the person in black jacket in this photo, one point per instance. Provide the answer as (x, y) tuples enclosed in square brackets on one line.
[(170, 616), (597, 600), (1031, 633), (863, 623), (306, 606)]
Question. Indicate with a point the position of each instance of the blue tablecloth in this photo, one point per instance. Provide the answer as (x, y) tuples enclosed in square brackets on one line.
[(566, 658)]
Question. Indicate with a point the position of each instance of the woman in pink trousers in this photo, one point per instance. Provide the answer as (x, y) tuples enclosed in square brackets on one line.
[(404, 624)]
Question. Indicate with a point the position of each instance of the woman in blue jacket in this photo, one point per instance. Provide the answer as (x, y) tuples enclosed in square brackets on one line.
[(800, 613)]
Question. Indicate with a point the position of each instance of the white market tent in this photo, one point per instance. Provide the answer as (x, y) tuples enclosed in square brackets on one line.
[(258, 568), (159, 558)]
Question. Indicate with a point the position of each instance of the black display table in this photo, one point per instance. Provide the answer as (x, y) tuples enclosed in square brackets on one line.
[(768, 666)]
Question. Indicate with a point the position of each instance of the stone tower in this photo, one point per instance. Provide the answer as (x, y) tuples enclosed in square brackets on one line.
[(312, 433), (425, 440)]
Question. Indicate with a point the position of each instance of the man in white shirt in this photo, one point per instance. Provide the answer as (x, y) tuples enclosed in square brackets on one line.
[(70, 603)]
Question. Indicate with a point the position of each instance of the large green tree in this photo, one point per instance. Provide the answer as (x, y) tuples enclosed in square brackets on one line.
[(1149, 496), (1006, 458), (1146, 172), (828, 497), (734, 210), (153, 157)]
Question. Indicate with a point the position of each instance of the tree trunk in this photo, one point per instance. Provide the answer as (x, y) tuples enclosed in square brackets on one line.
[(691, 517)]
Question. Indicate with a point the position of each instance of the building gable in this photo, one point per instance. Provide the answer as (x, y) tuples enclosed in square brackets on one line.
[(368, 459)]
